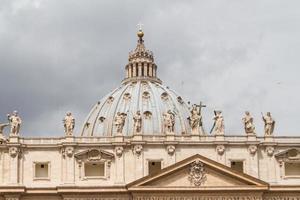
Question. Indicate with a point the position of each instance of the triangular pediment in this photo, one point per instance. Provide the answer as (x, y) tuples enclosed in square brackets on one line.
[(94, 154), (198, 173)]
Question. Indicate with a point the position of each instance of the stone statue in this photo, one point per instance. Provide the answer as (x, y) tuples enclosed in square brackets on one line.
[(69, 124), (218, 127), (15, 123), (248, 123), (269, 124), (2, 126), (120, 121), (195, 119), (169, 121), (137, 119)]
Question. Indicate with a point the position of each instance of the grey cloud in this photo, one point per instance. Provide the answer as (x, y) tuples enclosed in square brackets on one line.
[(66, 55)]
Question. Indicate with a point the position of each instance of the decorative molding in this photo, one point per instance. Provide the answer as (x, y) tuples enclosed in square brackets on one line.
[(252, 149), (97, 198), (68, 151), (197, 174), (220, 149), (137, 149), (14, 151), (119, 151), (94, 154), (289, 155), (12, 197), (270, 151), (171, 150)]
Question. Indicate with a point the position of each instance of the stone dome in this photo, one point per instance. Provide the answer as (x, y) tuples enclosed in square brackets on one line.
[(140, 91)]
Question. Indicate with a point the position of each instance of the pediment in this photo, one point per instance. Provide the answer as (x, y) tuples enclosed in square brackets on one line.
[(289, 154), (94, 154), (198, 173)]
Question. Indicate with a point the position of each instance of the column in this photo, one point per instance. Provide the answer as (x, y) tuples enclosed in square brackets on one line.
[(171, 157), (139, 69), (134, 69), (150, 70), (69, 165), (147, 69), (14, 165), (138, 161), (119, 178), (129, 71)]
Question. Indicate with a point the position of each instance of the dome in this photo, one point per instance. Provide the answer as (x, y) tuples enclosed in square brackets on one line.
[(142, 97), (150, 98)]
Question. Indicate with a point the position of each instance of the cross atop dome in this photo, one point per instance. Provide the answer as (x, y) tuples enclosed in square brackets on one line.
[(141, 62)]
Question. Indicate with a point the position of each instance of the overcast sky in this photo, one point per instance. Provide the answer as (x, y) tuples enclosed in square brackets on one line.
[(59, 55)]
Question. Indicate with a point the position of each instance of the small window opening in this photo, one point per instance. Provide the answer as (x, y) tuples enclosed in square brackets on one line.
[(41, 170), (238, 166), (154, 167), (94, 169), (292, 169)]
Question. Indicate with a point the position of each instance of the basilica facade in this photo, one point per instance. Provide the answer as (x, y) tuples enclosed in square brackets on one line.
[(144, 142)]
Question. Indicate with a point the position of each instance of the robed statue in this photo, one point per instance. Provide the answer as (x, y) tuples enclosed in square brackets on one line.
[(248, 123), (137, 122), (169, 121), (69, 124), (218, 127), (195, 119), (15, 122), (119, 122), (269, 124)]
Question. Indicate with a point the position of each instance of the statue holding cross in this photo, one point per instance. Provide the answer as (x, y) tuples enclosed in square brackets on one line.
[(195, 118)]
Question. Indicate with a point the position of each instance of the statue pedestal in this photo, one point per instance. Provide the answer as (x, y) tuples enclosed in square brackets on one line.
[(69, 139), (195, 137), (170, 136), (269, 139), (251, 137), (119, 138), (13, 138), (137, 137), (220, 137)]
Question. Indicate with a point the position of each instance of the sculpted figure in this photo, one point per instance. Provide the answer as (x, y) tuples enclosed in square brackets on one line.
[(69, 124), (169, 121), (15, 123), (120, 121), (219, 126), (137, 119), (195, 119), (2, 126), (248, 123), (269, 124)]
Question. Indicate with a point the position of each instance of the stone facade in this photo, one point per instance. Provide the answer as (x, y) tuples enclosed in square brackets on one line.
[(117, 164)]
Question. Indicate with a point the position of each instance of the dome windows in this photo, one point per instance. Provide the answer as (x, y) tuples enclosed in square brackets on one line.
[(147, 114), (102, 119), (110, 99), (164, 96), (127, 96), (146, 95), (180, 100)]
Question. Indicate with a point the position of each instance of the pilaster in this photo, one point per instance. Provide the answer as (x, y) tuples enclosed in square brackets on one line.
[(14, 151), (68, 161), (120, 163)]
